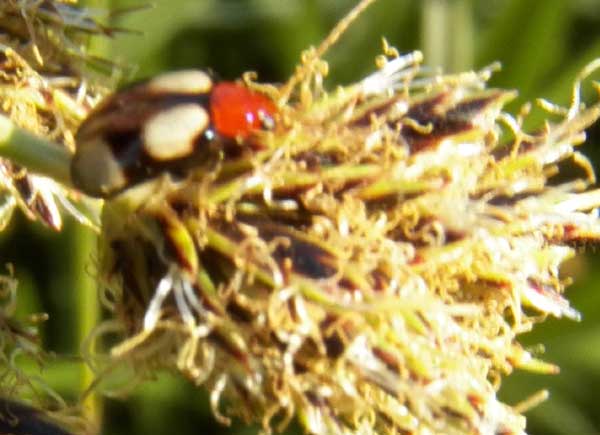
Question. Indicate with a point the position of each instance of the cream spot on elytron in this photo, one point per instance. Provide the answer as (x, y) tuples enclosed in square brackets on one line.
[(185, 81), (171, 133), (95, 169)]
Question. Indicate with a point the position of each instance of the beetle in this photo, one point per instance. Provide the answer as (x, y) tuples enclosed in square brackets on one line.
[(170, 123)]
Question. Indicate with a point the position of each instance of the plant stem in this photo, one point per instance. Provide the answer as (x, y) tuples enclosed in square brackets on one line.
[(447, 34), (84, 242), (34, 153)]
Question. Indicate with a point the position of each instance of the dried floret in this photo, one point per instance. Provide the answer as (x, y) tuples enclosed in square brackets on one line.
[(46, 87), (365, 264)]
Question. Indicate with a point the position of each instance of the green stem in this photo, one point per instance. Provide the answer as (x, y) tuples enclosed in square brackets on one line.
[(84, 243), (462, 27), (89, 309), (447, 34), (434, 34), (34, 153)]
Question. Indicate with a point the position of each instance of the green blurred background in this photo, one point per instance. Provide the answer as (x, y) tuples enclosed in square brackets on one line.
[(542, 44)]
